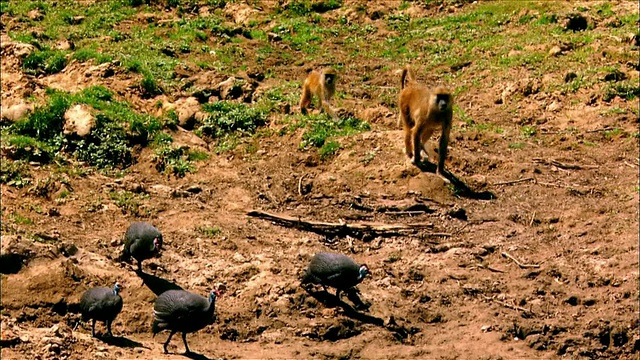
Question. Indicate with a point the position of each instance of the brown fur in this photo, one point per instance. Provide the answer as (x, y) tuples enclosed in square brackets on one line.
[(422, 111), (321, 84)]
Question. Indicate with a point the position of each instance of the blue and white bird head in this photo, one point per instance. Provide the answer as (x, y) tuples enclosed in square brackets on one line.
[(116, 288), (213, 295), (363, 271), (157, 243)]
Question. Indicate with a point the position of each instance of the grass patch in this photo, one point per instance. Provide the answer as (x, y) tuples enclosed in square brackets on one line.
[(87, 54), (45, 62), (517, 146), (129, 202), (209, 231), (14, 173), (109, 145), (20, 219), (173, 160)]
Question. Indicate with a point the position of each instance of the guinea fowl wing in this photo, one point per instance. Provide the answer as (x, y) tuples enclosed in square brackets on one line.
[(176, 307)]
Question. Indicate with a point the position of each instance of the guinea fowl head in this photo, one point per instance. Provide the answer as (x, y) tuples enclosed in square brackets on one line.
[(364, 271), (157, 243), (213, 295), (116, 288)]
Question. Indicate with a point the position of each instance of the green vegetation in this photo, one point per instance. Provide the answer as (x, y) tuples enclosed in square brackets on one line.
[(173, 160), (129, 202), (209, 231)]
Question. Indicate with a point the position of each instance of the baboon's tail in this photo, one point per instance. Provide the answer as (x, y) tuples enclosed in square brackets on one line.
[(406, 73)]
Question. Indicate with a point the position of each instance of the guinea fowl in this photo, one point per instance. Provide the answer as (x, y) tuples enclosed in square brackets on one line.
[(142, 241), (101, 303), (334, 270), (183, 311)]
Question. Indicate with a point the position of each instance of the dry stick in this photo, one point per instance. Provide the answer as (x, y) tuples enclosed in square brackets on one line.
[(400, 213), (514, 181), (489, 268), (521, 265), (357, 230), (300, 184), (507, 305), (560, 165), (533, 218), (601, 129)]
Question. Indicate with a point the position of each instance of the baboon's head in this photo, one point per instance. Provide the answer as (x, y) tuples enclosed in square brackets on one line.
[(330, 76), (442, 98)]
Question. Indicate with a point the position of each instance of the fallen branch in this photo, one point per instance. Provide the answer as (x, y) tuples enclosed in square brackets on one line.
[(608, 128), (486, 267), (356, 230), (514, 181), (560, 165), (521, 265), (300, 184), (507, 305)]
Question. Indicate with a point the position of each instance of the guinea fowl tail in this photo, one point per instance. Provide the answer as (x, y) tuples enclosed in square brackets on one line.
[(155, 328)]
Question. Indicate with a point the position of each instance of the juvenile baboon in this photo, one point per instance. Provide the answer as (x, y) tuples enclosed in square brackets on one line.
[(422, 111), (321, 84)]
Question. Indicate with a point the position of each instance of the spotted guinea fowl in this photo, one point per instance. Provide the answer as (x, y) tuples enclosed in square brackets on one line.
[(102, 304), (141, 241), (183, 311), (334, 270)]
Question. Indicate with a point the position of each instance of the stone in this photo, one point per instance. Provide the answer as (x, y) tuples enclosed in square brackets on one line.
[(78, 120)]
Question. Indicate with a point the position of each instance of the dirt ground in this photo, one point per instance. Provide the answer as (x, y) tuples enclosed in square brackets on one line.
[(567, 211)]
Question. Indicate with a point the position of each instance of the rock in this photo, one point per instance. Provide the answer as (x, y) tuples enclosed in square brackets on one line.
[(35, 15), (76, 20), (485, 328), (68, 249), (104, 70), (570, 76), (78, 120), (378, 114), (615, 76), (230, 89), (186, 109), (17, 111), (65, 45), (572, 300), (555, 51), (576, 22), (554, 106), (240, 13), (239, 258), (273, 37)]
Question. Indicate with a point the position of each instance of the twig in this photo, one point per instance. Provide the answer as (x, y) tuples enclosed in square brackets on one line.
[(533, 218), (357, 230), (514, 181), (507, 305), (400, 213), (486, 267), (631, 165), (521, 265), (601, 129), (560, 165), (300, 184)]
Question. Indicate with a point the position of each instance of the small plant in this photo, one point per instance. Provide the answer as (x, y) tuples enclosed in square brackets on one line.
[(516, 146), (394, 256), (149, 87), (85, 54), (329, 149), (20, 219), (173, 160), (195, 155), (623, 90), (45, 61), (128, 201), (209, 231), (226, 117), (369, 157), (528, 131), (14, 173)]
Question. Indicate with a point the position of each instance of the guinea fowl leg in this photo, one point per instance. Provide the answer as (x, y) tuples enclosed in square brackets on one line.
[(109, 328), (338, 294), (93, 327), (166, 343), (184, 338), (139, 266)]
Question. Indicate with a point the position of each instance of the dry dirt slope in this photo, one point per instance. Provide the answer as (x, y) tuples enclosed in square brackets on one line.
[(573, 213)]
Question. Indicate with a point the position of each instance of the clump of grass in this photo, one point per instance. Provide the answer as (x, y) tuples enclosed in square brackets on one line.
[(209, 231), (117, 129), (322, 128), (45, 62), (528, 131), (14, 173), (227, 117), (128, 202), (173, 160), (150, 87), (623, 90), (86, 54)]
